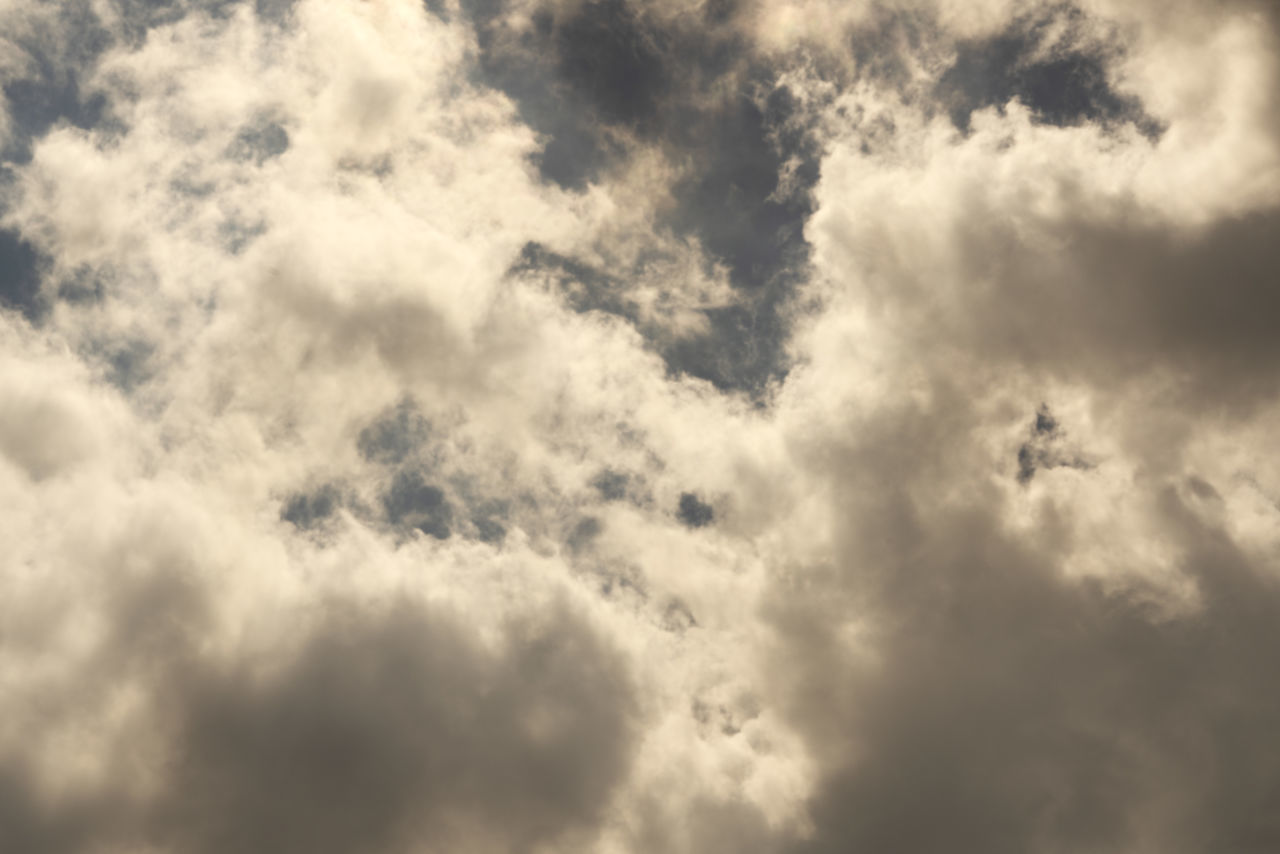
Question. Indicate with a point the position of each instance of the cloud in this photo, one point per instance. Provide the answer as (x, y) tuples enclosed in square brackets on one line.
[(584, 425)]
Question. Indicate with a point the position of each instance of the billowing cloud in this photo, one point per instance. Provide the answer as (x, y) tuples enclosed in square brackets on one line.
[(602, 426)]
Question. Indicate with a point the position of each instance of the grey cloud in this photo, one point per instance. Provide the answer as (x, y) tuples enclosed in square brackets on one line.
[(1123, 299), (387, 732), (30, 822), (1006, 708), (707, 825), (954, 690)]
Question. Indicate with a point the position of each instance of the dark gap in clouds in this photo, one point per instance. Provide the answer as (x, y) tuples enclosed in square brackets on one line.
[(85, 285), (307, 510), (605, 70), (279, 10), (1064, 86), (524, 67), (1045, 423), (128, 364), (584, 533), (731, 201), (20, 265), (395, 435), (259, 142), (879, 48), (237, 235), (51, 91), (744, 348), (488, 521), (693, 512), (1044, 450), (584, 287), (614, 63), (726, 719), (1026, 464), (437, 8), (1202, 489), (677, 617), (612, 485), (619, 582), (412, 502)]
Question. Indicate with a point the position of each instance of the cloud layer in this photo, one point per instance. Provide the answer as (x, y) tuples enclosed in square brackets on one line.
[(589, 425)]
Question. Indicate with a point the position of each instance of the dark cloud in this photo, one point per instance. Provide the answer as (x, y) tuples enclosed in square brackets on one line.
[(384, 731), (1002, 707), (693, 512), (388, 732), (1123, 300), (32, 821), (412, 502)]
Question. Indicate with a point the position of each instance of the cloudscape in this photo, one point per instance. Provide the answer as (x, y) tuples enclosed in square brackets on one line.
[(640, 426)]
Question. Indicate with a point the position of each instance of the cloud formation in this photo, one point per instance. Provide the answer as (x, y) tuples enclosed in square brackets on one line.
[(602, 426)]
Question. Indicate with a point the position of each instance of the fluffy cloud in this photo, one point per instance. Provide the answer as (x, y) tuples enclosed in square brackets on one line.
[(600, 426)]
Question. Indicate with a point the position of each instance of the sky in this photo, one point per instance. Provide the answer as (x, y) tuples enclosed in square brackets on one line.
[(665, 427)]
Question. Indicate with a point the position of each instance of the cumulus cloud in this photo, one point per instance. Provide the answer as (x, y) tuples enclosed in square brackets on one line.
[(590, 425)]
